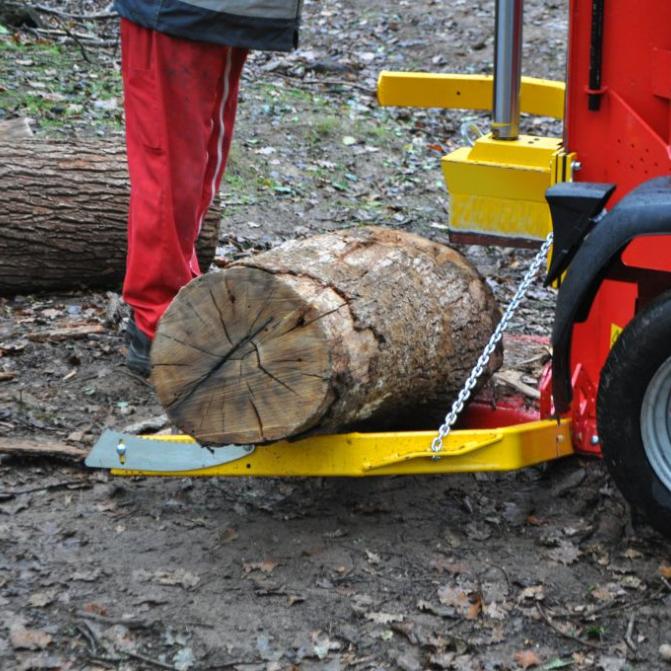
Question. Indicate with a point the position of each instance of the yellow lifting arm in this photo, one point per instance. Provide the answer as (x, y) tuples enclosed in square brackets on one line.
[(541, 97), (366, 454)]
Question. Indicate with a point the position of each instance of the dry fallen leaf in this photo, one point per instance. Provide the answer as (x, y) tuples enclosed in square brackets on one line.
[(228, 535), (665, 571), (442, 565), (608, 663), (535, 592), (526, 659), (180, 577), (322, 644), (41, 599), (267, 566), (95, 608), (495, 611), (87, 575), (535, 521), (441, 611), (467, 604), (565, 553), (23, 638), (384, 618), (372, 557)]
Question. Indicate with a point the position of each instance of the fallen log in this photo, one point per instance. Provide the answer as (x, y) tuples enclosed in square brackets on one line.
[(322, 334), (63, 209)]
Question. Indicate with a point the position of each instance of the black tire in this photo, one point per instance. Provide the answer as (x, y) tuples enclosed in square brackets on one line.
[(643, 349)]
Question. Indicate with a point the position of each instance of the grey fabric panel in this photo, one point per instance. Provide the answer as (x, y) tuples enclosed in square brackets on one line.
[(271, 9)]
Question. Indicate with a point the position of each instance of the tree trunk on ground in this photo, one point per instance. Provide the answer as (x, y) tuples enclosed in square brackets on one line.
[(321, 334), (63, 209)]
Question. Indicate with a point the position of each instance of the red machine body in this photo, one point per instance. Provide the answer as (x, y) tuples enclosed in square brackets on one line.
[(620, 130)]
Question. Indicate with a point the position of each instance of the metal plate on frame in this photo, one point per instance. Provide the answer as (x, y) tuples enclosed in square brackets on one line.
[(159, 455)]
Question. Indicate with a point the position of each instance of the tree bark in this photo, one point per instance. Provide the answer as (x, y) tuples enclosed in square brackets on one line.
[(322, 334), (63, 209)]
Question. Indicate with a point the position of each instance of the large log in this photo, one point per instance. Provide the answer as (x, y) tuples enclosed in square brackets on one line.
[(63, 209), (321, 334)]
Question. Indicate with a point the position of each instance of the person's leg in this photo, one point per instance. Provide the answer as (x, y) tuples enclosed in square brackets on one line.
[(222, 134), (174, 91)]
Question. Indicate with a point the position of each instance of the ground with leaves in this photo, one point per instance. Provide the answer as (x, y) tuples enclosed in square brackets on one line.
[(541, 569)]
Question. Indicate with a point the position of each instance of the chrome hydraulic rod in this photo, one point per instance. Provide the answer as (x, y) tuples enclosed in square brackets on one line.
[(507, 69)]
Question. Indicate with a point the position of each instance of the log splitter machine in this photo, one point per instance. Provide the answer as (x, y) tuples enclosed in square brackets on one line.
[(607, 390)]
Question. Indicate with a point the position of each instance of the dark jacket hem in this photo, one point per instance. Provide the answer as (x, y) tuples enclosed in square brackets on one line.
[(187, 21)]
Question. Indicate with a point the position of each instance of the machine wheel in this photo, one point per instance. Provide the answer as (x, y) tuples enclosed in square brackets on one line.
[(634, 412)]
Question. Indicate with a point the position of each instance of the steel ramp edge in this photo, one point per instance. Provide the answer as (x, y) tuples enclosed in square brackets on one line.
[(345, 455)]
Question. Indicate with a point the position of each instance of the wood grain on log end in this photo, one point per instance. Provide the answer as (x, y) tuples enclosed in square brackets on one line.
[(242, 355)]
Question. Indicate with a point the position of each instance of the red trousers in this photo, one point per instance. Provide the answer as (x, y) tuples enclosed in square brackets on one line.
[(180, 100)]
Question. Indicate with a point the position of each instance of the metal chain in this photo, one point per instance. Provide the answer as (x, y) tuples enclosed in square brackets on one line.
[(479, 368)]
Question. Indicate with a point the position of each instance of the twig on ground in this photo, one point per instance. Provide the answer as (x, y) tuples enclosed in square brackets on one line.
[(72, 332), (609, 609), (90, 40), (629, 633), (43, 488), (97, 16), (130, 623), (325, 82), (149, 660), (78, 42), (230, 665), (89, 635), (108, 662), (135, 376), (570, 637)]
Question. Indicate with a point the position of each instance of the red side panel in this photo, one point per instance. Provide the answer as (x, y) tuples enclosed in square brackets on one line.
[(627, 140)]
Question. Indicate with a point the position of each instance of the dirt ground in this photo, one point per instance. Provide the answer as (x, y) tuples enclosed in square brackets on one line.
[(543, 569)]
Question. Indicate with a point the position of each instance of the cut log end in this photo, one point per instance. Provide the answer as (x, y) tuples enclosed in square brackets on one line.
[(246, 358)]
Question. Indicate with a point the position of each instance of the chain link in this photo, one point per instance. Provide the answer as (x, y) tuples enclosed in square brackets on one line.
[(479, 368)]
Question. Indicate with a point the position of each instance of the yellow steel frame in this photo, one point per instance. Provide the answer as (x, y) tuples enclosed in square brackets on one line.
[(408, 453), (541, 97), (497, 188)]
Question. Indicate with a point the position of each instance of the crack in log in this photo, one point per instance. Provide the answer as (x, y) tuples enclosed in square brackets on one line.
[(191, 307), (188, 393), (221, 316), (349, 298), (269, 374), (267, 300), (256, 410), (301, 323), (189, 345)]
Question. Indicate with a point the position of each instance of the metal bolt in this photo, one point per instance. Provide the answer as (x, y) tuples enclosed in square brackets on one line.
[(560, 439), (576, 166), (121, 451), (594, 439)]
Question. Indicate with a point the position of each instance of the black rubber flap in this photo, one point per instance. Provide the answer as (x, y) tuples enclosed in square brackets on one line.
[(572, 206)]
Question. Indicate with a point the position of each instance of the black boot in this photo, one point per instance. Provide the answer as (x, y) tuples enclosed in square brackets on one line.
[(139, 348)]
